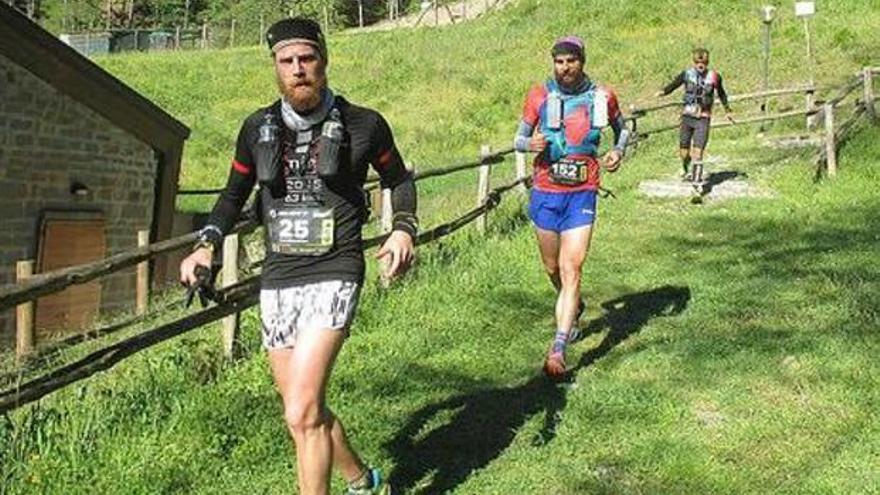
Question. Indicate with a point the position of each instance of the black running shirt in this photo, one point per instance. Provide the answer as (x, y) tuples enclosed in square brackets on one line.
[(367, 142)]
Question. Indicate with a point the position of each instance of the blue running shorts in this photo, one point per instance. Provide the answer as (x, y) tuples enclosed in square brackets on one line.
[(561, 211)]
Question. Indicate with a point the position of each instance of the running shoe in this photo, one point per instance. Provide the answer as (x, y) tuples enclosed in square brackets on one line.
[(554, 364), (378, 485)]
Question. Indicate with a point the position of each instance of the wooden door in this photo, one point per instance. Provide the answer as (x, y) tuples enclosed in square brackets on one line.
[(68, 239)]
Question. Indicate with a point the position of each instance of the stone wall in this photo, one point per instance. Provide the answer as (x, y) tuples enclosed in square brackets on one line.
[(47, 142)]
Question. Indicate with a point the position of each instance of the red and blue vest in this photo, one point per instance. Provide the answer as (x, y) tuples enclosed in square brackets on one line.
[(574, 138)]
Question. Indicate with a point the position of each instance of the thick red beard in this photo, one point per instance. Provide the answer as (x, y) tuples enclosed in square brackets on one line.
[(303, 97)]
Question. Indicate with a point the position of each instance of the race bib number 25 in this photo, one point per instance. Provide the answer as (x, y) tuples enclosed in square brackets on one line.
[(302, 231)]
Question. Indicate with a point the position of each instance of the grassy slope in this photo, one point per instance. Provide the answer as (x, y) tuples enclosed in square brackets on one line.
[(447, 91), (736, 352)]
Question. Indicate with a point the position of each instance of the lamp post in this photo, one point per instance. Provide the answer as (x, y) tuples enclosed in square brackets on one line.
[(768, 12)]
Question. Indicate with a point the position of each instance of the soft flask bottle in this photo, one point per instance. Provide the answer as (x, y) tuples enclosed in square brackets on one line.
[(599, 117), (329, 144), (268, 165), (554, 111)]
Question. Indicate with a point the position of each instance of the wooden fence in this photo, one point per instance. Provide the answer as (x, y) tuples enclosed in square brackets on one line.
[(233, 297), (834, 134)]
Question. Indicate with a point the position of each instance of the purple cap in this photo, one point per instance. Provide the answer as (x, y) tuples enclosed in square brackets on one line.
[(569, 44)]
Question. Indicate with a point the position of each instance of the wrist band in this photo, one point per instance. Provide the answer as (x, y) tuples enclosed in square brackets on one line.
[(209, 236), (406, 222)]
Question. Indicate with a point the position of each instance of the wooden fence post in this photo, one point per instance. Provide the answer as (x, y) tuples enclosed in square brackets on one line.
[(810, 101), (386, 225), (204, 35), (868, 80), (24, 313), (830, 144), (142, 292), (376, 203), (483, 186), (387, 211), (177, 38), (229, 275), (521, 169)]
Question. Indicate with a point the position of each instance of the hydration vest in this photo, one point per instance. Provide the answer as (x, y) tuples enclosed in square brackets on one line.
[(567, 122), (298, 172), (699, 89)]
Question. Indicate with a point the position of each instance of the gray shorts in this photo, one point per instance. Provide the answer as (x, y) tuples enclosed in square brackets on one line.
[(694, 130), (319, 306)]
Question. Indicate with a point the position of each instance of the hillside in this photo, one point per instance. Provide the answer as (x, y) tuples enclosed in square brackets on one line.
[(448, 90), (731, 347)]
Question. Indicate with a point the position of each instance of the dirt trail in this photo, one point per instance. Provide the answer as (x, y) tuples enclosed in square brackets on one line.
[(452, 13)]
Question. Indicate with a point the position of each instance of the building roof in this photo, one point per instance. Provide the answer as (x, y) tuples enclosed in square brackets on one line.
[(40, 52), (48, 58)]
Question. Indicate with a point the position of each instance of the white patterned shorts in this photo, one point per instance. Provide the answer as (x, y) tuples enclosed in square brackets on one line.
[(319, 306)]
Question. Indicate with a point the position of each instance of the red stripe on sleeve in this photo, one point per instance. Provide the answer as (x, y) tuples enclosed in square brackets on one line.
[(241, 167), (613, 104), (384, 158), (532, 107)]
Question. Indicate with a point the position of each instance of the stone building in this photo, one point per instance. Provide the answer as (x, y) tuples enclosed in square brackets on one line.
[(85, 162)]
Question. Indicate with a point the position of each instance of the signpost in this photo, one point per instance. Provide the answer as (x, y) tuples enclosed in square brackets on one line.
[(806, 10), (768, 12)]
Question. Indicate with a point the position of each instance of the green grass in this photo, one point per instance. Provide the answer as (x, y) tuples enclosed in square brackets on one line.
[(732, 346)]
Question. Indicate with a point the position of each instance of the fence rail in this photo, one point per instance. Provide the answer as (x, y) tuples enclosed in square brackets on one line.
[(233, 300), (199, 192), (55, 281), (373, 182), (640, 111), (846, 90), (497, 157), (835, 134), (748, 120)]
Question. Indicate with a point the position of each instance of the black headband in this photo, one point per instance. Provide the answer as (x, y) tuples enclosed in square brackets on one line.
[(296, 30)]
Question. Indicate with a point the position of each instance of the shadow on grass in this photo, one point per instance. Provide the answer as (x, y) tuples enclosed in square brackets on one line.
[(716, 178), (443, 443)]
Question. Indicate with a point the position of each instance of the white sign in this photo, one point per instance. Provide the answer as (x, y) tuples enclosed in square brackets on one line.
[(804, 9)]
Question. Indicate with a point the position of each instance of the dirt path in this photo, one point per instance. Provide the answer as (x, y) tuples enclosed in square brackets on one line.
[(453, 13)]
